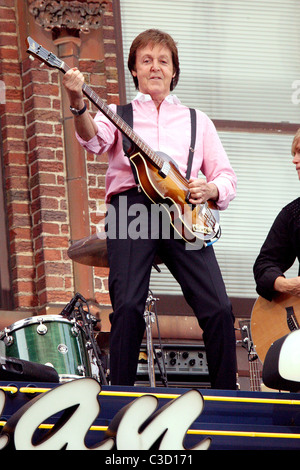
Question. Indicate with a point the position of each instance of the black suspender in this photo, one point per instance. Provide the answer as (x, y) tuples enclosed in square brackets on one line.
[(126, 113), (193, 140)]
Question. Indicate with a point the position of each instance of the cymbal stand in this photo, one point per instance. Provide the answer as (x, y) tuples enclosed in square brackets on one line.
[(87, 321), (149, 317)]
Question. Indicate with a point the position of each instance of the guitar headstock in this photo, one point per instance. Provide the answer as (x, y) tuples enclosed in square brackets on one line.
[(42, 54), (246, 334)]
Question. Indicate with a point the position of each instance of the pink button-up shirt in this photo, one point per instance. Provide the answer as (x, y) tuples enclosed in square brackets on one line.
[(168, 131)]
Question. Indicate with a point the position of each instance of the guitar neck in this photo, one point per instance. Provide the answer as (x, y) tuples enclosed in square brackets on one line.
[(156, 160), (254, 368), (255, 373)]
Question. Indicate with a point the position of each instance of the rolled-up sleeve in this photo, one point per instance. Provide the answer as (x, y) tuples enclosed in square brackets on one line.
[(105, 137)]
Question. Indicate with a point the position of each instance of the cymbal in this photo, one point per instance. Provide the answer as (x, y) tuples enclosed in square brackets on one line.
[(92, 251)]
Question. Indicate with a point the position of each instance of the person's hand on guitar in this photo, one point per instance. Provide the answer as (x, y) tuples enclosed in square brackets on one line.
[(201, 191), (73, 82), (288, 286)]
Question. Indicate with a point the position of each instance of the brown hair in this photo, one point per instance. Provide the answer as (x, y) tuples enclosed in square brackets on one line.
[(295, 142), (154, 36)]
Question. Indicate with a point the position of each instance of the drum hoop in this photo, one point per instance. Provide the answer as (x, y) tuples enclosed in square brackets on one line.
[(37, 319)]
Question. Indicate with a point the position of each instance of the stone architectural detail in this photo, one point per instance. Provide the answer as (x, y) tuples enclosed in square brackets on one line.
[(77, 15)]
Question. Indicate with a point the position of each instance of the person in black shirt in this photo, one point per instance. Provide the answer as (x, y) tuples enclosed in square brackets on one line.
[(281, 247)]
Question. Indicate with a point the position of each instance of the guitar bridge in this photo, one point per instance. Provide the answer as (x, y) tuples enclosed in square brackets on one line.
[(202, 229), (291, 319), (164, 171)]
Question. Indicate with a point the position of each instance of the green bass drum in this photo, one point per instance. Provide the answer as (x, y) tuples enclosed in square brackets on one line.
[(51, 340)]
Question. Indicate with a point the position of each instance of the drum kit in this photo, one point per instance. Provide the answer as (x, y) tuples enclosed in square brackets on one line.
[(67, 342)]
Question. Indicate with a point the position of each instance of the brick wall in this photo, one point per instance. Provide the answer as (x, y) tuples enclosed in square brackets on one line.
[(46, 184), (16, 172), (35, 167)]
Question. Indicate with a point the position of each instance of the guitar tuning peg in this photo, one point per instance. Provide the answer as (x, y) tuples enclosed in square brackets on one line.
[(31, 57), (42, 64)]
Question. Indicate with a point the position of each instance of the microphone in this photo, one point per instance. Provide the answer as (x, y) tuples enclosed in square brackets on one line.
[(68, 309)]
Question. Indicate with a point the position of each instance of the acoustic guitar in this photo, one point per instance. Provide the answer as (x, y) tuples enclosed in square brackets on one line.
[(158, 174), (271, 320)]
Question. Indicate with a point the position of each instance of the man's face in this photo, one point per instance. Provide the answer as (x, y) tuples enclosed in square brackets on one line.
[(296, 159), (154, 71)]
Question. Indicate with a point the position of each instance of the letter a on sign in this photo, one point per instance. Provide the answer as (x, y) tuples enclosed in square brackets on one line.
[(77, 399), (138, 427)]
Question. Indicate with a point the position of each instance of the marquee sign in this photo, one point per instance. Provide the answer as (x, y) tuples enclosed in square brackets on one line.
[(140, 425), (168, 425)]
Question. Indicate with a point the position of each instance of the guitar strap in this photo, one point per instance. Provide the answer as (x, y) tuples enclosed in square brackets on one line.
[(126, 113)]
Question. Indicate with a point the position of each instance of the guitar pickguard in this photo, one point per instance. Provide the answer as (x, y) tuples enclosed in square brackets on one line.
[(195, 224)]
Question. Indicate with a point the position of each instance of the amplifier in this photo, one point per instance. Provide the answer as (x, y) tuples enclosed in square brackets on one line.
[(184, 365)]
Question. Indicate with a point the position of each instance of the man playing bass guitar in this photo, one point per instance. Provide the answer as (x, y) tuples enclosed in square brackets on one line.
[(165, 124)]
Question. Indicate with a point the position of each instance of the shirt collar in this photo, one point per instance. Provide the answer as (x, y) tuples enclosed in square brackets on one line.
[(143, 98)]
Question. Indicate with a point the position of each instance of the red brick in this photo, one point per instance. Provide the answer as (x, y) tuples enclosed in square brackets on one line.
[(45, 228), (41, 141), (19, 208), (55, 296), (52, 255), (12, 120), (16, 170), (9, 40), (23, 286), (23, 260), (16, 182), (23, 301), (10, 67), (7, 13), (7, 4), (38, 107), (53, 191), (20, 233), (56, 242), (13, 133), (39, 128), (42, 178), (24, 273), (36, 155), (12, 81), (55, 282), (7, 27), (49, 216), (102, 299), (14, 146), (96, 193)]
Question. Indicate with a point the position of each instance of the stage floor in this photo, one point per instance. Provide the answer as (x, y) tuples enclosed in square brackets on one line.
[(183, 417)]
